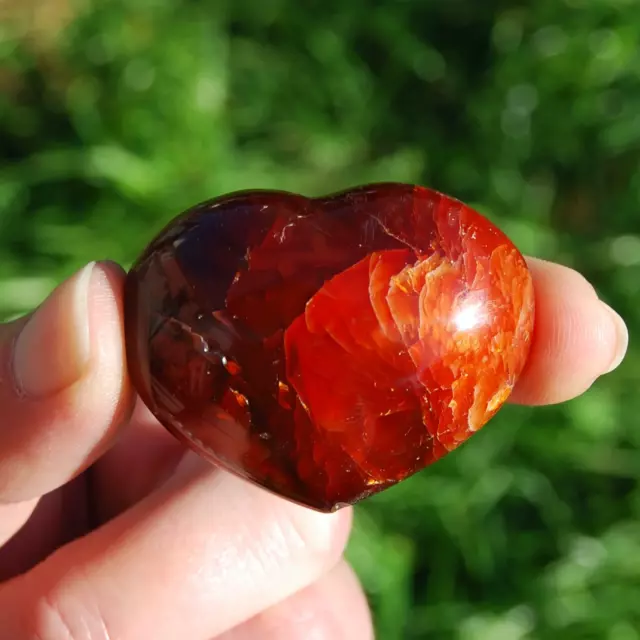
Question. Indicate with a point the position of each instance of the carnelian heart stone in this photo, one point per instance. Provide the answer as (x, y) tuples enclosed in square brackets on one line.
[(327, 348)]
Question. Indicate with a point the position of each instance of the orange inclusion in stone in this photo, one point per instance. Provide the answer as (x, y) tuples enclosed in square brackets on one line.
[(328, 348)]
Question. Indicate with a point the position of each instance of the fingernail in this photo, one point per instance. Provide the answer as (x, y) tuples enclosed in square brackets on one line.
[(622, 338), (53, 348)]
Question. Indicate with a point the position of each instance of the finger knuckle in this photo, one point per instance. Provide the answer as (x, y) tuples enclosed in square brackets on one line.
[(57, 615)]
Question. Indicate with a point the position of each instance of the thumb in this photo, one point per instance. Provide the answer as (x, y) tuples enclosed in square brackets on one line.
[(63, 383)]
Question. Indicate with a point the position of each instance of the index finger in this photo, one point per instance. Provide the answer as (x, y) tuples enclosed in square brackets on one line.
[(577, 337)]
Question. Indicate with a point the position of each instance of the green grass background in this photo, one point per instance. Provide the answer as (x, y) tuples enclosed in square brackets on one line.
[(116, 115)]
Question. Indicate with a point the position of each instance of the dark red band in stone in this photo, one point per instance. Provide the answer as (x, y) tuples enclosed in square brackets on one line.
[(328, 348)]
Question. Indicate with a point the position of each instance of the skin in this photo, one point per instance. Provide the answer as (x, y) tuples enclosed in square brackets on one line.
[(110, 529)]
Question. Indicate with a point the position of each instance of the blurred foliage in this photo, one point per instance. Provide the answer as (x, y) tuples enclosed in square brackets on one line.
[(114, 116)]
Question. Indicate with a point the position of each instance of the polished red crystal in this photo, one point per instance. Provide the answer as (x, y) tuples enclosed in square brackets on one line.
[(328, 348)]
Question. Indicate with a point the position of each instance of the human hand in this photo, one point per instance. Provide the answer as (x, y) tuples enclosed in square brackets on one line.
[(111, 529)]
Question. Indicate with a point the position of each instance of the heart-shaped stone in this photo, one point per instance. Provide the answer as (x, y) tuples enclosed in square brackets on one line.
[(328, 348)]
